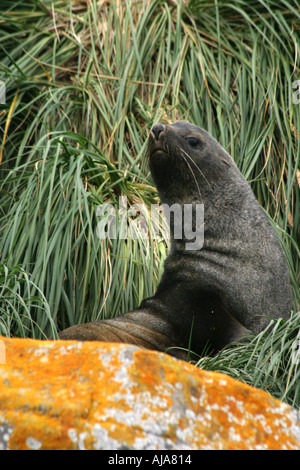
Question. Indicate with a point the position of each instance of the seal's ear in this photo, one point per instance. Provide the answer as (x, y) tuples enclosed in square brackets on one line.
[(224, 161)]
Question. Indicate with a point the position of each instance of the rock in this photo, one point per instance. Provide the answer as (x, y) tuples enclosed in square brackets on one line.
[(91, 395)]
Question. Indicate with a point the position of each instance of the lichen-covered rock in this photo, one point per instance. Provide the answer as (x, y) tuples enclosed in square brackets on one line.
[(74, 395)]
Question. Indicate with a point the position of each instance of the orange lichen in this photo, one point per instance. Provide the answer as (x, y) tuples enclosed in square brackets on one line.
[(73, 395)]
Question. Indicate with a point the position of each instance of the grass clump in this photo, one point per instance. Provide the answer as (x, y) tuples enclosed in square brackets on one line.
[(269, 361)]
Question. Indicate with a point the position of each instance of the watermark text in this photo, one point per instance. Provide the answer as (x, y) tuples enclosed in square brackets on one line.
[(184, 222), (296, 94), (296, 351), (2, 92)]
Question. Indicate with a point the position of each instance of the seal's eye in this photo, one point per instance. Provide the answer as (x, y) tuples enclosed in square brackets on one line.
[(193, 141)]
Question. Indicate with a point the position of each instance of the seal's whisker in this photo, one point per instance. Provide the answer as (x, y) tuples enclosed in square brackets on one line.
[(192, 172), (201, 173)]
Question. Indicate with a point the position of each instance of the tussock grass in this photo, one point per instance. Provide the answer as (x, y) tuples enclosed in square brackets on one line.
[(269, 361), (84, 84)]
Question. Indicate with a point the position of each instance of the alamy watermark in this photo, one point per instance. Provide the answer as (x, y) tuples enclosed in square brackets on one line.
[(296, 351), (296, 94), (2, 352), (137, 221), (2, 92)]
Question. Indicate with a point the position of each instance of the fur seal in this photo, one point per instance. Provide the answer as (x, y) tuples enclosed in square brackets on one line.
[(234, 283)]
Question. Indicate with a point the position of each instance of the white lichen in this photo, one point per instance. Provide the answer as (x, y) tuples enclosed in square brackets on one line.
[(33, 443)]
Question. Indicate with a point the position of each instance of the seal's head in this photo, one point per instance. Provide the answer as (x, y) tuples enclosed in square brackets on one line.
[(185, 159)]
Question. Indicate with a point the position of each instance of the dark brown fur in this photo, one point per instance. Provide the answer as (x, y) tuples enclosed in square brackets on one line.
[(233, 284)]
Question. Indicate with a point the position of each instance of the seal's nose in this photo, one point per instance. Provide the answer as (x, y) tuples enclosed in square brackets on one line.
[(157, 129)]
